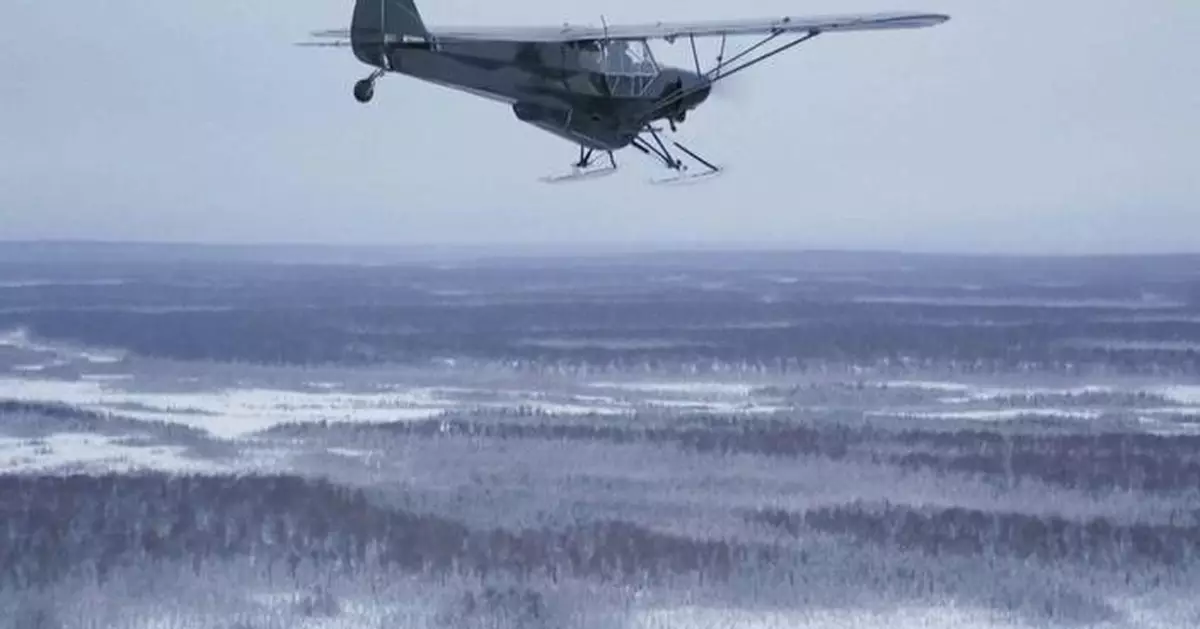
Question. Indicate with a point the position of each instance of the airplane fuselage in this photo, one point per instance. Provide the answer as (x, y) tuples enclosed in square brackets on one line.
[(549, 85)]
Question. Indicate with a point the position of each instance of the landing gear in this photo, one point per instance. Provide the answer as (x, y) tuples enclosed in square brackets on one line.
[(677, 120), (590, 165), (660, 150), (585, 168), (364, 90)]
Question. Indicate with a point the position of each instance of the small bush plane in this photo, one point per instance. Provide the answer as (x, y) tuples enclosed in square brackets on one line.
[(598, 87)]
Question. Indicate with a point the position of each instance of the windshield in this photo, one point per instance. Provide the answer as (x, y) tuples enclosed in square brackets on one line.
[(619, 57), (628, 66)]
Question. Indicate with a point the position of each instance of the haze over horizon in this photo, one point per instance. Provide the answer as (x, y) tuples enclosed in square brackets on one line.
[(734, 255), (1015, 128)]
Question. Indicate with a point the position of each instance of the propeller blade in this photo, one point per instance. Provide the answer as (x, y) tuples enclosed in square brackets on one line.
[(734, 89)]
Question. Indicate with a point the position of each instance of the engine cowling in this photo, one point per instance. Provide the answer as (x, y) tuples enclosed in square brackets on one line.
[(681, 93), (674, 105)]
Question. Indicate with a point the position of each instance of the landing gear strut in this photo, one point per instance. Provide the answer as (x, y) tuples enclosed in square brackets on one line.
[(660, 150), (586, 156), (364, 90), (679, 119)]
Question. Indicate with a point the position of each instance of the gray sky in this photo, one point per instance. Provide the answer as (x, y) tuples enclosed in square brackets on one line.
[(1019, 126)]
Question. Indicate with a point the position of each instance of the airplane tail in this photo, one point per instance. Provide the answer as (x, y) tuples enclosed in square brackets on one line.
[(380, 26)]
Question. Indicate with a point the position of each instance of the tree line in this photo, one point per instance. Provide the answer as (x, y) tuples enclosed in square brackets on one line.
[(57, 526), (1094, 461), (972, 532)]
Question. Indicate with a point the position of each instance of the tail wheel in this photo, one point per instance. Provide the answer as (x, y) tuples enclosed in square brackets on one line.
[(364, 90)]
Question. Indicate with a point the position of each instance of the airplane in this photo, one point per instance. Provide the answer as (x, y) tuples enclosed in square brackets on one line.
[(598, 87)]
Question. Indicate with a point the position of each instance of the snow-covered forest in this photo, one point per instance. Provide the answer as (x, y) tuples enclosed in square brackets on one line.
[(769, 440)]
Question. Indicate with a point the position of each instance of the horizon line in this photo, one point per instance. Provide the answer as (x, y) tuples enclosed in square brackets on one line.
[(585, 248)]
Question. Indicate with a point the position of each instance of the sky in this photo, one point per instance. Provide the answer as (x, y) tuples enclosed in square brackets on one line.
[(1017, 127)]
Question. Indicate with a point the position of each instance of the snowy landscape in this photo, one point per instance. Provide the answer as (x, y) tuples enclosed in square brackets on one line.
[(262, 438)]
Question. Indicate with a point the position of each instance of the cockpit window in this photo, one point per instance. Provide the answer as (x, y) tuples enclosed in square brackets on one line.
[(618, 57), (632, 58), (629, 66)]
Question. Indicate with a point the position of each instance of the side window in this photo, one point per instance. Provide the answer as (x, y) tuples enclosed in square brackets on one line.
[(591, 56), (630, 67)]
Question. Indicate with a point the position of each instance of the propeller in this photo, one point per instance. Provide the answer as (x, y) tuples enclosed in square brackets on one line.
[(677, 96), (733, 89)]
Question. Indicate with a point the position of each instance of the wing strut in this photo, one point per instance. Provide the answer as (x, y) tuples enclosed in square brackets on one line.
[(719, 72), (721, 55)]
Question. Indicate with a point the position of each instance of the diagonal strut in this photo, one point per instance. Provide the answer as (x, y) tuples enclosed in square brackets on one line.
[(719, 73)]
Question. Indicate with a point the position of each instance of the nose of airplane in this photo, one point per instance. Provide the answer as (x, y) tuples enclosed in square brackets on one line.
[(682, 92), (698, 89)]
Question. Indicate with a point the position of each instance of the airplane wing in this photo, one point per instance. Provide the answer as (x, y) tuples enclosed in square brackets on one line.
[(671, 30)]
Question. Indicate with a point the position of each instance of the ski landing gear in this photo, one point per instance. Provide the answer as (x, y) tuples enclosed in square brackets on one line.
[(585, 168), (681, 174), (589, 166)]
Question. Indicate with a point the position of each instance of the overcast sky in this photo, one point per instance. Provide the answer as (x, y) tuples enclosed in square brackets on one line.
[(1018, 126)]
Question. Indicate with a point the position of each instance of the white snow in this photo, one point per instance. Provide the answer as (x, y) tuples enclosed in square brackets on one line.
[(95, 452), (558, 408), (928, 385), (947, 617), (41, 283), (98, 358), (732, 407), (1181, 393), (610, 343), (1005, 414), (1166, 428), (685, 388), (349, 452), (992, 393), (972, 392), (1179, 411), (1134, 345), (39, 367), (237, 412), (228, 413), (20, 339)]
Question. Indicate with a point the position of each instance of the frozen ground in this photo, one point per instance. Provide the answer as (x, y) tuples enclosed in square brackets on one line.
[(693, 441), (84, 452)]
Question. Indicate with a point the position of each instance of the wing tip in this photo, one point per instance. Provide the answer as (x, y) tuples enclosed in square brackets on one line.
[(916, 20)]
